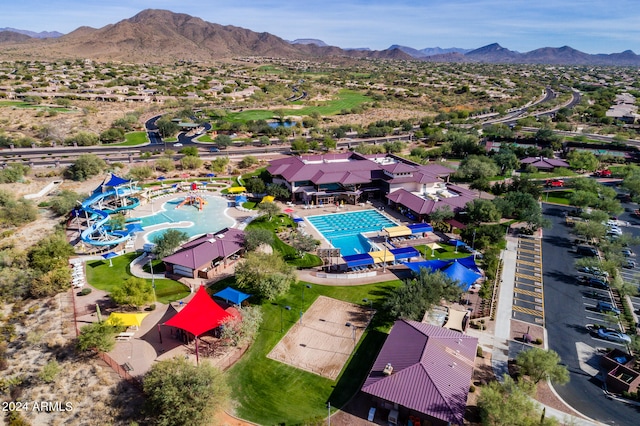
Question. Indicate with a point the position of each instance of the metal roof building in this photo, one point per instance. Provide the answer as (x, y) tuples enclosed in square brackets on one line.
[(425, 371)]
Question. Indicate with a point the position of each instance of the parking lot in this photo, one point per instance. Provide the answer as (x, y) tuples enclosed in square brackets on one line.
[(528, 298)]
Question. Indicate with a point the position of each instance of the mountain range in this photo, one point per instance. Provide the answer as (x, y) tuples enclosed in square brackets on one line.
[(164, 36)]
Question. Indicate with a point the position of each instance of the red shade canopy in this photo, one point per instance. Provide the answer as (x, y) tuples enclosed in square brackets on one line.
[(200, 315)]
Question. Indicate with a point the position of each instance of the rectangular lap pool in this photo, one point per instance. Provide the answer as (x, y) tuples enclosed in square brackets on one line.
[(343, 230)]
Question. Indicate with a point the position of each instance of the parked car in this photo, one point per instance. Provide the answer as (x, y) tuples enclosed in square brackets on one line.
[(603, 173), (593, 270), (585, 250), (596, 282), (554, 183), (629, 264), (607, 307), (614, 232), (177, 145), (214, 149), (627, 252), (613, 336)]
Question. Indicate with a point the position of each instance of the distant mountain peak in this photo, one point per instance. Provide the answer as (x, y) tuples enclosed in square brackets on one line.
[(33, 34), (309, 41)]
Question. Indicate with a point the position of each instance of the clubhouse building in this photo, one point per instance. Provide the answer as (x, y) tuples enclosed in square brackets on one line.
[(413, 189)]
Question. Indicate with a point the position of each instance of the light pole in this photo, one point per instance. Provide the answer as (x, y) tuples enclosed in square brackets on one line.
[(153, 279), (353, 332), (302, 303), (288, 308), (473, 244)]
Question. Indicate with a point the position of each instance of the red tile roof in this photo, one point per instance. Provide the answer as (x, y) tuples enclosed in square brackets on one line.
[(432, 369)]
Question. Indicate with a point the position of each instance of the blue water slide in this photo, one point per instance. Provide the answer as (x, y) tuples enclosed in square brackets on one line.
[(96, 234)]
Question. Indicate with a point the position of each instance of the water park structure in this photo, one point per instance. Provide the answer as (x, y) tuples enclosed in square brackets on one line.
[(114, 195), (191, 200)]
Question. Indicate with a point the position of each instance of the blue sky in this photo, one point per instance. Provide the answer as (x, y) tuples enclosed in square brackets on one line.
[(592, 26)]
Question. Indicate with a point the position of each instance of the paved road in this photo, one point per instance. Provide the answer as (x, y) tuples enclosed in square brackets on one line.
[(568, 308)]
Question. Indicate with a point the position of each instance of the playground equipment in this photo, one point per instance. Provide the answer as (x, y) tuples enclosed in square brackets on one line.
[(110, 197), (192, 200)]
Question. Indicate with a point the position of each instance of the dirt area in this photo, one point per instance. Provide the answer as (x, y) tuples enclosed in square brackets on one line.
[(322, 343), (520, 328), (86, 116)]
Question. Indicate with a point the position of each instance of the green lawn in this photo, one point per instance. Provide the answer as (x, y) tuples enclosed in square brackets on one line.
[(26, 105), (346, 100), (133, 139), (446, 252), (557, 197), (105, 277), (559, 172), (269, 392)]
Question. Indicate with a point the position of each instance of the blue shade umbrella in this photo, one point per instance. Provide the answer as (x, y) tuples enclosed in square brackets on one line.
[(211, 175), (109, 256)]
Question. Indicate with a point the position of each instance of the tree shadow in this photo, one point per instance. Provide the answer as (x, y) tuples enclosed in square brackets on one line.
[(356, 372)]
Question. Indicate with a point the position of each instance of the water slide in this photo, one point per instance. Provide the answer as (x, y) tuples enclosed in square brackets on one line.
[(97, 234), (192, 200)]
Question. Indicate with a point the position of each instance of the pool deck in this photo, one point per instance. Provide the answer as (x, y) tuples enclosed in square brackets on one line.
[(155, 205)]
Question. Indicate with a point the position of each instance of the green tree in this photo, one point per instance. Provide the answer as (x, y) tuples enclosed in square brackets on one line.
[(417, 295), (117, 221), (506, 160), (133, 291), (474, 167), (281, 192), (267, 276), (167, 242), (583, 199), (86, 166), (583, 160), (13, 172), (591, 230), (140, 172), (243, 329), (254, 237), (247, 162), (65, 201), (482, 211), (440, 215), (165, 164), (98, 336), (166, 127), (83, 139), (16, 212), (112, 135), (190, 163), (255, 185), (304, 243), (539, 364), (219, 165), (190, 151), (50, 253), (509, 404), (223, 141), (329, 143), (50, 283), (299, 145), (264, 140), (180, 393), (270, 209)]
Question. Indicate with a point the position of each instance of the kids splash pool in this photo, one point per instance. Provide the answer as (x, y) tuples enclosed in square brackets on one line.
[(343, 230), (209, 218)]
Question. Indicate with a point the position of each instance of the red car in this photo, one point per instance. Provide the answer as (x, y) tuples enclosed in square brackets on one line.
[(554, 183), (603, 173)]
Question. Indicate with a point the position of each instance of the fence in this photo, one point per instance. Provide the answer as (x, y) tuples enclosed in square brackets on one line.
[(119, 369)]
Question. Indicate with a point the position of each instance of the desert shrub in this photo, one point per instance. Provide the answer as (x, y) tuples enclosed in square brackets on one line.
[(50, 371)]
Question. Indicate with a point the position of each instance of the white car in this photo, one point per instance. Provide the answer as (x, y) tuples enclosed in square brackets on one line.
[(177, 145), (614, 231)]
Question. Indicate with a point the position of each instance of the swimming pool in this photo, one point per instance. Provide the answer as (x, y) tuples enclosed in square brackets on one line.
[(343, 230), (210, 219)]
